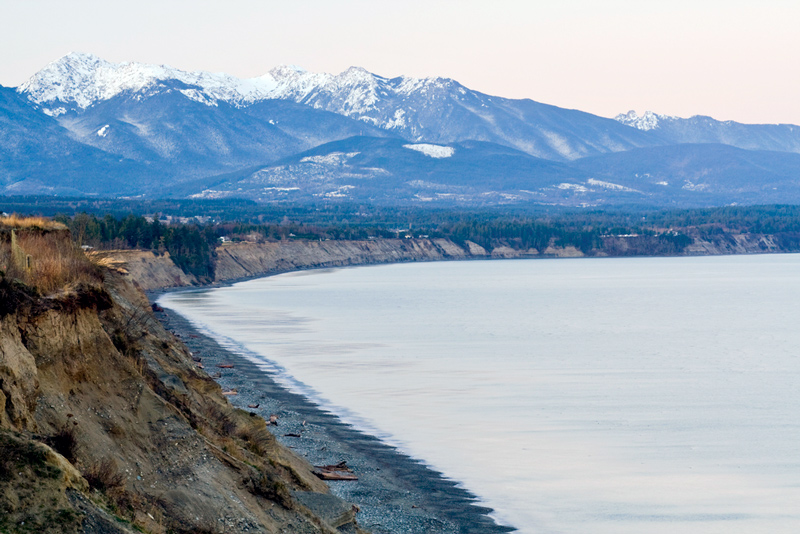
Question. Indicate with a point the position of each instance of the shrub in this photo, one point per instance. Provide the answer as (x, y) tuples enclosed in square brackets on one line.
[(104, 475)]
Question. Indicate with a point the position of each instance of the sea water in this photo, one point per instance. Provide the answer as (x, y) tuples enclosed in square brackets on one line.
[(646, 395)]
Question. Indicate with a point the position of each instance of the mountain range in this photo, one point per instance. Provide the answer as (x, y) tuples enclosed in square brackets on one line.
[(85, 126)]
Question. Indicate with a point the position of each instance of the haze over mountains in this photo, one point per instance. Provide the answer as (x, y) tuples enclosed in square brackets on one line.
[(86, 126)]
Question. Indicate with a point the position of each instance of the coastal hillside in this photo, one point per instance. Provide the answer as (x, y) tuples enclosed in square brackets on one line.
[(108, 425), (235, 261), (232, 261)]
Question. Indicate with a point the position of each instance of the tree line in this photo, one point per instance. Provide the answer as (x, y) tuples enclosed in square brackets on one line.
[(192, 246)]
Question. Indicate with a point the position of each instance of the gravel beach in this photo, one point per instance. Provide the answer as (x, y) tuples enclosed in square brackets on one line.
[(395, 493)]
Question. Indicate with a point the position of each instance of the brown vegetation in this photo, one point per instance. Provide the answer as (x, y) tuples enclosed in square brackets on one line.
[(104, 475), (21, 222), (39, 253)]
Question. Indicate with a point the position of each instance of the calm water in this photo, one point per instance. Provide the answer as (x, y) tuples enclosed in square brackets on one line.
[(572, 396)]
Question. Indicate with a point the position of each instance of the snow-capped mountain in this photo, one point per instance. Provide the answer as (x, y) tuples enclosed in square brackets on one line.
[(195, 123), (83, 125), (431, 109), (78, 81), (646, 122), (441, 110)]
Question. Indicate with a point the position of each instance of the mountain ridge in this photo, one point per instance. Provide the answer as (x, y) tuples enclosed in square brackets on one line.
[(433, 109), (153, 129), (704, 129)]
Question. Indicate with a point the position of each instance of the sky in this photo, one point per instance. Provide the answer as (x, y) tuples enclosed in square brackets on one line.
[(729, 59)]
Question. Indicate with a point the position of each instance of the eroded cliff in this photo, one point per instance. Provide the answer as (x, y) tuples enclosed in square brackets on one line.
[(242, 260), (108, 425), (235, 261)]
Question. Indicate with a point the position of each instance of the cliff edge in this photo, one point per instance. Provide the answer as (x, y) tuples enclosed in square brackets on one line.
[(236, 261), (243, 260), (107, 425)]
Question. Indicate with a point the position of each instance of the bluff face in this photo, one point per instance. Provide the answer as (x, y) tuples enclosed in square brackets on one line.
[(236, 261), (108, 425)]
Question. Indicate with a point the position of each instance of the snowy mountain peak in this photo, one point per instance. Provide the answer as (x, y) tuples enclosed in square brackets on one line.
[(646, 122), (356, 70), (414, 108), (77, 81), (63, 79), (78, 60), (80, 80), (285, 71), (359, 74)]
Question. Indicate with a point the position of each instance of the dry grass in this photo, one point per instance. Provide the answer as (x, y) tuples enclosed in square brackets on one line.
[(17, 221), (109, 262), (44, 259)]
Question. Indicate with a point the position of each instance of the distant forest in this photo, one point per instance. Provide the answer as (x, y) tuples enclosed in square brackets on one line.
[(194, 227), (191, 246), (106, 224), (756, 219)]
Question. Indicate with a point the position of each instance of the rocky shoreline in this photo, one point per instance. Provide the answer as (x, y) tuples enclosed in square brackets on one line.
[(394, 493)]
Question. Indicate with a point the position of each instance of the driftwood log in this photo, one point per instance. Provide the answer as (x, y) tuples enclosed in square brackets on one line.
[(338, 471)]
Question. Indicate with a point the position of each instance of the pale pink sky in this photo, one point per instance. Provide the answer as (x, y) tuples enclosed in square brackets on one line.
[(728, 59)]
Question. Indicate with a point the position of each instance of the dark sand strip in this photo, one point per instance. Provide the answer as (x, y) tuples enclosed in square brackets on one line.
[(396, 494)]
